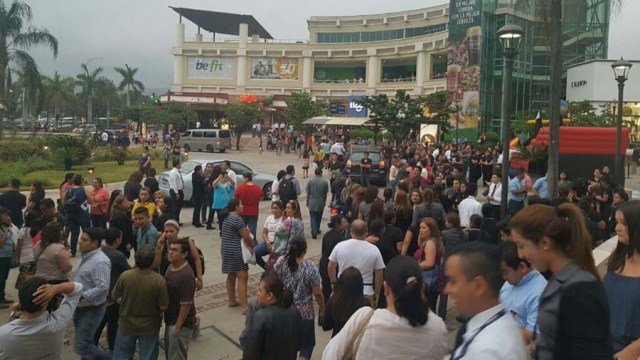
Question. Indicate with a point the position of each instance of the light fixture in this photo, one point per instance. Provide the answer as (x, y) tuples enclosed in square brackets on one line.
[(46, 148), (510, 36), (621, 69)]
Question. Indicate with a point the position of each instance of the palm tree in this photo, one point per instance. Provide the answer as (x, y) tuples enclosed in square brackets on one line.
[(108, 93), (59, 90), (129, 81), (15, 40), (88, 82), (31, 91)]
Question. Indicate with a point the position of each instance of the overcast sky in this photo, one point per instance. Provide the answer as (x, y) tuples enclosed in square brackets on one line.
[(140, 33)]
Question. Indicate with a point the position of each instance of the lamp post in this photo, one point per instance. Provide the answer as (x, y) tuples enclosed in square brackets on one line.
[(90, 95), (510, 37), (621, 70)]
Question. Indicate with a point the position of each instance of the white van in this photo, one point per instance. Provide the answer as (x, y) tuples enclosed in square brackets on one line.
[(206, 140)]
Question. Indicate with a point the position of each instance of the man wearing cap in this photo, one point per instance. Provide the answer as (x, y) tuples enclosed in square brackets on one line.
[(249, 194)]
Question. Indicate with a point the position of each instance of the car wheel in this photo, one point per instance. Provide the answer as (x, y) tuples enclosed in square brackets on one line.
[(267, 191), (209, 148), (187, 148), (223, 150)]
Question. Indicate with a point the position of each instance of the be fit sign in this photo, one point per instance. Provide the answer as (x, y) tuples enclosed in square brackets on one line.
[(210, 68)]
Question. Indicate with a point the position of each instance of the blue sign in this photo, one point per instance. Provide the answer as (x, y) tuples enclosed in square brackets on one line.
[(337, 109), (356, 110)]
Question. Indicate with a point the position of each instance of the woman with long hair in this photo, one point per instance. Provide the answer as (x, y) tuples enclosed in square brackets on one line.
[(357, 199), (65, 185), (208, 191), (98, 199), (36, 194), (291, 226), (144, 200), (370, 195), (404, 210), (347, 299), (133, 185), (337, 227), (223, 191), (274, 187), (302, 278), (429, 257), (120, 218), (268, 233), (273, 332), (405, 329), (53, 260), (163, 210), (376, 212), (573, 314), (622, 281)]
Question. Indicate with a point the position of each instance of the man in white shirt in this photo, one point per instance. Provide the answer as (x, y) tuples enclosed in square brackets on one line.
[(494, 197), (176, 189), (358, 253), (469, 206), (226, 166), (338, 149), (475, 280), (35, 333)]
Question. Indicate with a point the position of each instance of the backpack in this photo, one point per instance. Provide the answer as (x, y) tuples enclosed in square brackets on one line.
[(287, 190), (72, 201)]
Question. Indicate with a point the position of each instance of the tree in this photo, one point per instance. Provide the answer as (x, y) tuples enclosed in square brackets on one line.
[(242, 116), (58, 91), (88, 82), (31, 91), (107, 94), (301, 107), (403, 114), (128, 81), (15, 41)]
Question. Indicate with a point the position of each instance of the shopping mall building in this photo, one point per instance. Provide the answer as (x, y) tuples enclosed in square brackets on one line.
[(450, 47)]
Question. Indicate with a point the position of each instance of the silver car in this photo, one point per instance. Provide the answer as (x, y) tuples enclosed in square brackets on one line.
[(264, 180)]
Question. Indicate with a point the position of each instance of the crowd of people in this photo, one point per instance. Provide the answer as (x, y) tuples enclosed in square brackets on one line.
[(391, 258)]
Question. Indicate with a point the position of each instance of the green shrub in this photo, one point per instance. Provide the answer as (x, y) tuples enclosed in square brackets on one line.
[(491, 137), (15, 150), (10, 170)]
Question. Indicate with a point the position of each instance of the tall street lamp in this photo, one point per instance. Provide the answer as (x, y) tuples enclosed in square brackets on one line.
[(90, 95), (621, 70), (510, 37)]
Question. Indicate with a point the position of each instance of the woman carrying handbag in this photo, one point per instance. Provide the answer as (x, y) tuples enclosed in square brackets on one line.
[(403, 330)]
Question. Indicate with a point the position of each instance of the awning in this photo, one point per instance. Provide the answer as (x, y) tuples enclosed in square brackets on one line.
[(339, 121), (223, 23)]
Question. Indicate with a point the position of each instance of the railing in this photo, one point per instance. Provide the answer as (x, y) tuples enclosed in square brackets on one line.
[(249, 40), (400, 79), (337, 81)]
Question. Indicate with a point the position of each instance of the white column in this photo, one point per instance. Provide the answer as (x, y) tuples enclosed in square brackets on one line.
[(179, 34), (178, 67), (241, 65), (421, 68), (307, 71), (373, 71)]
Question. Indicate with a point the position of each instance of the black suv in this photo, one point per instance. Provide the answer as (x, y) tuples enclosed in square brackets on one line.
[(377, 174), (117, 137)]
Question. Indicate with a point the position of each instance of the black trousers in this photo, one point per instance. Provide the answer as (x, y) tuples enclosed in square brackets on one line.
[(110, 320), (99, 221), (196, 201), (177, 203)]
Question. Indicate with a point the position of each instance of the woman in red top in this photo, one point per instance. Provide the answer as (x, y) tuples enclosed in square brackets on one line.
[(249, 195), (98, 198)]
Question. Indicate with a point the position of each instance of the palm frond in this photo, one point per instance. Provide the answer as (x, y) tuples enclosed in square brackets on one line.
[(36, 37)]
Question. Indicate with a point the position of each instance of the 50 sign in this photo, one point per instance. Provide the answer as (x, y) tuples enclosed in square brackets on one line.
[(274, 68)]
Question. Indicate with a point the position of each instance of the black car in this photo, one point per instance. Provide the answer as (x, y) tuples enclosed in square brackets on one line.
[(377, 174), (117, 137)]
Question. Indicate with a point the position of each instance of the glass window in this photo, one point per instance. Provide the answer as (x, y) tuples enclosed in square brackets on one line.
[(196, 134), (240, 169), (188, 166), (224, 134), (209, 134), (187, 134)]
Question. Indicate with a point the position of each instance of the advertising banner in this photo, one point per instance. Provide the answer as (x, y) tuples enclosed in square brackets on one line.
[(210, 68), (356, 110), (463, 60), (274, 68), (337, 109)]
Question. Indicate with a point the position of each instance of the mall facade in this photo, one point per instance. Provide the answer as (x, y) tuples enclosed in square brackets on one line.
[(450, 47)]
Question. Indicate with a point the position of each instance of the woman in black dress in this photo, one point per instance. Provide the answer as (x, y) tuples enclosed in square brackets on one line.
[(338, 225), (486, 164), (120, 218), (475, 169)]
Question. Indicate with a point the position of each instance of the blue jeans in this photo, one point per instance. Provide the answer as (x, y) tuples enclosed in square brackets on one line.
[(252, 223), (5, 266), (514, 207), (316, 218), (126, 346), (86, 323), (308, 338), (261, 250), (76, 222)]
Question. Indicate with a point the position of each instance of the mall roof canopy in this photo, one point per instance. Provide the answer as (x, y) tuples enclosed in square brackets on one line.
[(343, 121), (222, 23)]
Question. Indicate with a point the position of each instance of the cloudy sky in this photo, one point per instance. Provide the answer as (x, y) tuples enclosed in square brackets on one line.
[(140, 33)]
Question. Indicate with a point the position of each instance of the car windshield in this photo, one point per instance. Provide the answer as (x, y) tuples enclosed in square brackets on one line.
[(188, 166), (356, 157), (224, 134)]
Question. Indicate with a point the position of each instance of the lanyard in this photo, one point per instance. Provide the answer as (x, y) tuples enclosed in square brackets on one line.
[(467, 343)]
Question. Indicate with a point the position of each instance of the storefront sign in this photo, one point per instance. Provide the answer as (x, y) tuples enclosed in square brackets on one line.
[(355, 109), (575, 84), (274, 68), (337, 109), (210, 68)]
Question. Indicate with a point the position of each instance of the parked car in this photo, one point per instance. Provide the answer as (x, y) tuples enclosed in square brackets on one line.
[(117, 137), (209, 140), (264, 180), (85, 129), (377, 174)]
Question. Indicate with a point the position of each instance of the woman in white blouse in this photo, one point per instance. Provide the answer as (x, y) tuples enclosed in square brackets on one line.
[(404, 330)]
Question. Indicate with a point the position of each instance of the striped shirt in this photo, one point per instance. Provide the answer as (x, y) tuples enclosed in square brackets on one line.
[(94, 273)]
